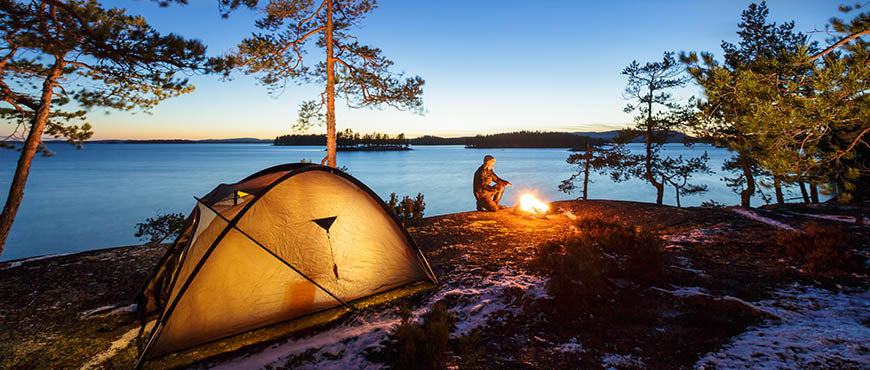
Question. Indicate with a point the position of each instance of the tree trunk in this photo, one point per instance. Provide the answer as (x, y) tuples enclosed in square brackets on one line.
[(814, 193), (660, 186), (586, 172), (804, 194), (330, 91), (28, 152), (746, 194), (677, 189), (777, 187)]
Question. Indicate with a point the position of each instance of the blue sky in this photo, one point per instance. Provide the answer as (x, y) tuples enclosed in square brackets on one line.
[(489, 66)]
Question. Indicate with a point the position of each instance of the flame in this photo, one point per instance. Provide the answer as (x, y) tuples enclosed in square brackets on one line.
[(529, 203)]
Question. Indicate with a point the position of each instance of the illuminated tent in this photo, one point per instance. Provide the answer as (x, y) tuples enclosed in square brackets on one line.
[(285, 242)]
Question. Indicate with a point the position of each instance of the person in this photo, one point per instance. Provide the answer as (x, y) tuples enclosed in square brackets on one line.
[(487, 194)]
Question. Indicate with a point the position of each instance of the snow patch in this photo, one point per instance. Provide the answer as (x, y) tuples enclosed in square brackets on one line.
[(754, 216), (115, 347), (18, 263), (703, 236), (571, 346), (343, 347), (817, 328), (617, 361), (840, 218), (683, 291), (107, 310)]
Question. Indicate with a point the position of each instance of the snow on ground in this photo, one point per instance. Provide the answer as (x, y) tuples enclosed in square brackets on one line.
[(18, 263), (107, 310), (570, 346), (616, 361), (475, 302), (839, 218), (702, 236), (818, 328), (683, 291), (754, 216)]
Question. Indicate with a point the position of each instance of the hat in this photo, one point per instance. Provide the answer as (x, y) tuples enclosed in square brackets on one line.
[(488, 158)]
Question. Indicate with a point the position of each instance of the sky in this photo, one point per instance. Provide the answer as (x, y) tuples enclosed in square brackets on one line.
[(490, 66)]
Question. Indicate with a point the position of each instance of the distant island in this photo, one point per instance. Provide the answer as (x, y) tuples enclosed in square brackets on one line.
[(241, 140), (352, 141), (531, 139), (349, 141)]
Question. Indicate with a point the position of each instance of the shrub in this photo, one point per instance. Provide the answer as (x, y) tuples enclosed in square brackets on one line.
[(471, 349), (819, 248), (407, 208), (159, 228), (581, 264), (424, 345), (712, 204)]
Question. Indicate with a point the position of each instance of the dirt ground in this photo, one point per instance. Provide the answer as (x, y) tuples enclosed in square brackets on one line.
[(63, 312)]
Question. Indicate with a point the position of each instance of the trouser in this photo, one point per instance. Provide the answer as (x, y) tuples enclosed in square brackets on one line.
[(488, 200)]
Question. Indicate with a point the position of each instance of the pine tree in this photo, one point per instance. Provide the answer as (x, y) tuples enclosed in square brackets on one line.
[(733, 90), (61, 58), (357, 73), (658, 116)]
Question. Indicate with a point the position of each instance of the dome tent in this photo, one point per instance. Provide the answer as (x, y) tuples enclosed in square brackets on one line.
[(285, 242)]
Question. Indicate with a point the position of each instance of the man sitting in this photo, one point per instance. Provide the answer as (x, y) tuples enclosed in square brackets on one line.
[(487, 194)]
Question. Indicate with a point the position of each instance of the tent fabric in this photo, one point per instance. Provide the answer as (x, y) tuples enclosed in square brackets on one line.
[(306, 239)]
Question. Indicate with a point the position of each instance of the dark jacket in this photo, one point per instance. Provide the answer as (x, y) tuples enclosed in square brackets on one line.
[(482, 179)]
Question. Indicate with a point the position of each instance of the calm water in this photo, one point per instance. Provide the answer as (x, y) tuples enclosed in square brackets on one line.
[(93, 198)]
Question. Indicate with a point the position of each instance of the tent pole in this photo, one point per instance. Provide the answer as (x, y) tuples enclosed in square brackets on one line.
[(352, 308)]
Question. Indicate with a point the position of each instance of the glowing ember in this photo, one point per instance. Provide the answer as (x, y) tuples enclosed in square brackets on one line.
[(531, 204)]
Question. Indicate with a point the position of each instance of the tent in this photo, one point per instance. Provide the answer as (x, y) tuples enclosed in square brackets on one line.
[(285, 242)]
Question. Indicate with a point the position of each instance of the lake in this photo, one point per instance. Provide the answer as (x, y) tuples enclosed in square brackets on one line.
[(88, 199)]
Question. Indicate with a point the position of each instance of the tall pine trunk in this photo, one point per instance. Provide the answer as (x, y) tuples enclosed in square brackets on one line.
[(28, 152), (804, 194), (814, 193), (777, 187), (586, 171), (660, 186), (677, 190), (746, 194), (330, 91)]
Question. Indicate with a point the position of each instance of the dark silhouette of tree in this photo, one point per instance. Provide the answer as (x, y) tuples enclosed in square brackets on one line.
[(594, 158), (529, 139), (357, 73), (659, 115), (57, 52), (735, 94)]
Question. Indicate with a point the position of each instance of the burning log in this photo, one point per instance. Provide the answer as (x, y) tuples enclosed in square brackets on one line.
[(531, 206)]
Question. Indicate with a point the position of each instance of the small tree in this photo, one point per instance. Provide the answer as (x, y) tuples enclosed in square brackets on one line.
[(158, 229), (57, 52), (594, 158), (659, 115), (349, 70), (678, 171)]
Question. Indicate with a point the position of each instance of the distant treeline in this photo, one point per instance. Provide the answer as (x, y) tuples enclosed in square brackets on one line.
[(436, 140), (349, 140), (531, 139)]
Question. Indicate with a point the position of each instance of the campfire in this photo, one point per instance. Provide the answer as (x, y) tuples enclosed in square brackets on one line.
[(531, 206)]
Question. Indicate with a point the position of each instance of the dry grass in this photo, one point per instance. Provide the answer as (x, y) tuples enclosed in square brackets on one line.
[(819, 248)]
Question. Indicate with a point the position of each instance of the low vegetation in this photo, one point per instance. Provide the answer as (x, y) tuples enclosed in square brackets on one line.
[(158, 229), (820, 248), (586, 264), (407, 208), (424, 345)]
